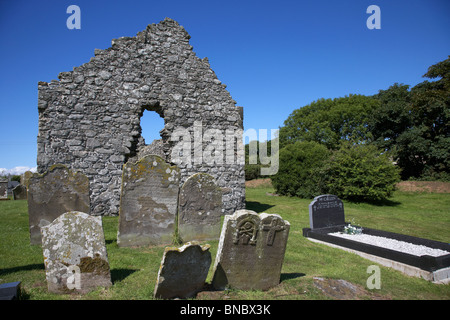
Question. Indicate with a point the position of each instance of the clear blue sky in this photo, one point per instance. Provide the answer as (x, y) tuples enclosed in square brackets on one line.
[(274, 56)]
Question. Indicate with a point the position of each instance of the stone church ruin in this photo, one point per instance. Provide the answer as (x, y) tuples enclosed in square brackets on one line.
[(89, 120)]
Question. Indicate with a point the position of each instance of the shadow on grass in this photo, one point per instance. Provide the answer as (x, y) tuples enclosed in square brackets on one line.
[(120, 274), (257, 206), (378, 203), (292, 275), (36, 266)]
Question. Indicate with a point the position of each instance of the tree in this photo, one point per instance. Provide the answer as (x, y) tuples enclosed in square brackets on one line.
[(414, 125), (298, 164), (360, 173), (430, 104), (329, 121)]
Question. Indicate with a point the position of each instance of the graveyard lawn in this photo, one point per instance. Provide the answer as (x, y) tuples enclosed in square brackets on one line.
[(311, 271)]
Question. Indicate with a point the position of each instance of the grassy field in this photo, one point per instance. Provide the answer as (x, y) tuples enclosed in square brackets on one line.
[(134, 270)]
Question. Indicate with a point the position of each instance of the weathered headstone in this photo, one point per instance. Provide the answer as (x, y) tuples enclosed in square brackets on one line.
[(183, 271), (326, 211), (199, 208), (75, 254), (20, 192), (251, 251), (53, 193), (3, 189), (148, 203)]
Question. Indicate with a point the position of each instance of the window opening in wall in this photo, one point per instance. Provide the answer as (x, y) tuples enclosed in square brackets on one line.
[(151, 125)]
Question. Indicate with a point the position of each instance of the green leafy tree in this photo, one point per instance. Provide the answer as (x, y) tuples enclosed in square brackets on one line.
[(298, 164), (329, 121), (414, 125), (430, 105), (360, 173)]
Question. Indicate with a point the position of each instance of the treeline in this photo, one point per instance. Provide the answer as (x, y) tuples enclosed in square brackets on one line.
[(357, 147)]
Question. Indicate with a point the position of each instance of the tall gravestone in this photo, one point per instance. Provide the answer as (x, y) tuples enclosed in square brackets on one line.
[(75, 253), (148, 203), (3, 189), (199, 208), (251, 251), (183, 271), (326, 211), (53, 193)]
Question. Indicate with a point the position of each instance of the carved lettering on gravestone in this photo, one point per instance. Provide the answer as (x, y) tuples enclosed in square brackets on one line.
[(326, 211), (75, 255), (148, 203), (251, 251), (199, 208), (53, 193)]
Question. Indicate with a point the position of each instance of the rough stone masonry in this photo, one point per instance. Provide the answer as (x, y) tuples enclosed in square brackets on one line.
[(89, 120)]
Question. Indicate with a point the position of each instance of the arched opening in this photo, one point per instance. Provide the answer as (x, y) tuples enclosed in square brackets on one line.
[(151, 124)]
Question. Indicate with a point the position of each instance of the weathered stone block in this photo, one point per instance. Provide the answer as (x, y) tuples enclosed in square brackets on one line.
[(199, 208), (20, 192), (148, 202), (251, 251), (4, 189), (53, 193), (75, 254), (183, 271)]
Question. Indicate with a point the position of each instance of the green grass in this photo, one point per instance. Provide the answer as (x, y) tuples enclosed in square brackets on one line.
[(134, 270)]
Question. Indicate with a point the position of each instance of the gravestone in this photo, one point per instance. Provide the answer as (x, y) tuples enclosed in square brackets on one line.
[(148, 203), (20, 192), (326, 211), (75, 254), (183, 271), (3, 189), (199, 208), (251, 251), (10, 291), (53, 193)]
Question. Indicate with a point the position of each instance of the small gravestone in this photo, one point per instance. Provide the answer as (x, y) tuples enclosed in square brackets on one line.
[(148, 203), (53, 193), (326, 211), (183, 271), (75, 255), (20, 192), (199, 208), (3, 189), (10, 291), (251, 251)]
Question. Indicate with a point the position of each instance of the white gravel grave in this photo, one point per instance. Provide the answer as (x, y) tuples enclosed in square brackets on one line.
[(401, 246)]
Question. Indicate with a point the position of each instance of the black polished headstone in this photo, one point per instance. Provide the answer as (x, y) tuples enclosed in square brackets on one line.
[(326, 211), (10, 291)]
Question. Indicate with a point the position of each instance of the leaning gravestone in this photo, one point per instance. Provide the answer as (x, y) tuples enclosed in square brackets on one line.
[(148, 202), (326, 211), (75, 253), (53, 193), (251, 251), (183, 271), (199, 208)]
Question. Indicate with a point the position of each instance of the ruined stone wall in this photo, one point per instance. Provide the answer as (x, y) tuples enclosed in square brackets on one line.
[(89, 120)]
